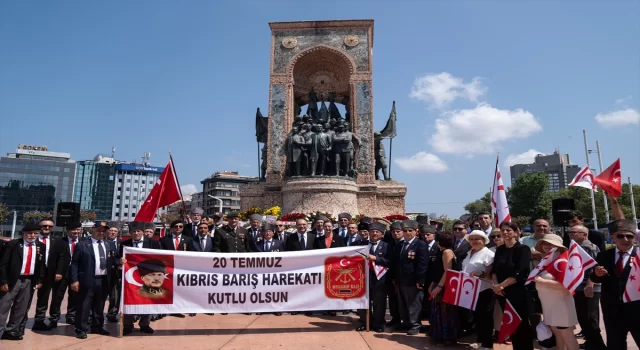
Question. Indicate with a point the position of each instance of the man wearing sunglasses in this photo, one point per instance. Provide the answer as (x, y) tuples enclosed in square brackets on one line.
[(613, 271)]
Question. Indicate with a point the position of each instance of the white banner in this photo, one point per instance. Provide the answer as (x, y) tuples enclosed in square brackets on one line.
[(164, 282)]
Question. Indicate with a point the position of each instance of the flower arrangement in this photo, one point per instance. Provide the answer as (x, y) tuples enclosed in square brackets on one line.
[(312, 215), (293, 216), (274, 211), (396, 217), (249, 212)]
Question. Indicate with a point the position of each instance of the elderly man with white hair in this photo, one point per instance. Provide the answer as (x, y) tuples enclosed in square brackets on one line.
[(587, 295)]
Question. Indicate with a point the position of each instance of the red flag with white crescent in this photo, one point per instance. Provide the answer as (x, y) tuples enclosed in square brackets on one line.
[(610, 180), (166, 191), (569, 267), (461, 289), (510, 322)]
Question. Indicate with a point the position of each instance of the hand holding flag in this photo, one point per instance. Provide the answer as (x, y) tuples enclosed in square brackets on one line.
[(166, 191), (510, 322)]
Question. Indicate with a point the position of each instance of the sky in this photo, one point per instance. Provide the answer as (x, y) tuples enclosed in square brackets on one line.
[(470, 79)]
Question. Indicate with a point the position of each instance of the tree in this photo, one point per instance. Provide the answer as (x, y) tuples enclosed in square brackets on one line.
[(167, 218), (4, 212), (35, 216), (529, 196), (522, 221), (480, 205), (582, 200)]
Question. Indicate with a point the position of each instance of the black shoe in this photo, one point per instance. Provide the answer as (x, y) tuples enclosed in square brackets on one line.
[(146, 329), (277, 313), (127, 331), (361, 328), (209, 314), (294, 313), (413, 332), (224, 314), (332, 313), (308, 313), (70, 321), (100, 331), (53, 324), (81, 335), (583, 346), (402, 327), (392, 323), (192, 315), (153, 318), (345, 312), (11, 336), (178, 315), (112, 319), (40, 326), (378, 330)]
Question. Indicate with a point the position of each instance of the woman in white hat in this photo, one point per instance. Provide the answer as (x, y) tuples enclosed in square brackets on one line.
[(558, 307), (478, 263)]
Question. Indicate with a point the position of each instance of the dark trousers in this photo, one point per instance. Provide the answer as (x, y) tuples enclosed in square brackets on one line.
[(91, 298), (393, 302), (410, 306), (483, 318), (42, 304), (377, 307), (522, 339), (114, 298), (588, 312), (60, 288), (619, 320), (15, 301)]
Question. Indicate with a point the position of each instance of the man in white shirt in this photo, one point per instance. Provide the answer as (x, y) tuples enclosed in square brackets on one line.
[(343, 222), (42, 301)]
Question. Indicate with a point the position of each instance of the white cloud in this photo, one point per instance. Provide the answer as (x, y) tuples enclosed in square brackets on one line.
[(523, 158), (422, 162), (482, 129), (439, 90), (188, 189), (618, 118)]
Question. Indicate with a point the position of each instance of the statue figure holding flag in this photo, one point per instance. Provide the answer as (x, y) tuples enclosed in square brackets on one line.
[(389, 132)]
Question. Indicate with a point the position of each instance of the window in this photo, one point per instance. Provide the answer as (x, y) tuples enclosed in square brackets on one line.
[(119, 188), (143, 182), (118, 197), (134, 206), (135, 198), (126, 197), (120, 180), (128, 189), (126, 214), (135, 181), (126, 206), (128, 181), (117, 205)]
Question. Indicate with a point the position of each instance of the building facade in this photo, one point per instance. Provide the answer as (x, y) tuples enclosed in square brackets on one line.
[(34, 179), (555, 165), (225, 186), (134, 182)]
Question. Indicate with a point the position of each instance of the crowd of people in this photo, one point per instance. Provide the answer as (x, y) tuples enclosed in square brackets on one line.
[(416, 253)]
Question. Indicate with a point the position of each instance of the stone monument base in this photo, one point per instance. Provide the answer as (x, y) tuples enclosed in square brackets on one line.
[(333, 195)]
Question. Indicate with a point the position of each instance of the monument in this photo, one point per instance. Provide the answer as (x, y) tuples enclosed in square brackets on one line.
[(313, 157)]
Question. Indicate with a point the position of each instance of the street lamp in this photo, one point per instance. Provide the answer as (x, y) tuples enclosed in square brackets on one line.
[(219, 200)]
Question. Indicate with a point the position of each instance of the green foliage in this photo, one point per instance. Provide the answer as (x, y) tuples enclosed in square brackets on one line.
[(86, 215), (480, 205), (4, 212), (35, 216), (529, 196)]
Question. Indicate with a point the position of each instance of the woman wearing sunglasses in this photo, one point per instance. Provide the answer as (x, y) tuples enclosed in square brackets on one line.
[(496, 239)]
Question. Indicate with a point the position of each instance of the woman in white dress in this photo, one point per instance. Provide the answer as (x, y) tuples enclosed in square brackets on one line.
[(478, 263), (558, 307)]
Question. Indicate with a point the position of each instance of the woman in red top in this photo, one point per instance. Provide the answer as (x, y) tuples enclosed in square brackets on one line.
[(328, 240)]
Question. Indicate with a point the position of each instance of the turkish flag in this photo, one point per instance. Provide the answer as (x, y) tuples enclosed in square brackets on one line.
[(166, 191), (510, 322), (632, 288), (461, 289), (610, 180)]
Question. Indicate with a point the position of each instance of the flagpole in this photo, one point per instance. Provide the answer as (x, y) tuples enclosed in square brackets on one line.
[(593, 199), (175, 174), (606, 203), (633, 204), (493, 185)]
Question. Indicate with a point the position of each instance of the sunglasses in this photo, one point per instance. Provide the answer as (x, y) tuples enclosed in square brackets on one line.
[(621, 236), (458, 229), (178, 226), (280, 225), (495, 236)]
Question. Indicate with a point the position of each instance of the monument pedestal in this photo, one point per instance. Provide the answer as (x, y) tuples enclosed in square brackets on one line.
[(332, 195)]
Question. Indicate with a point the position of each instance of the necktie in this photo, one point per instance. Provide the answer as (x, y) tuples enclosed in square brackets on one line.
[(372, 250), (194, 228), (620, 263), (177, 242), (342, 233), (203, 243), (137, 243), (302, 242), (73, 245), (457, 244), (103, 256), (267, 246), (349, 242), (404, 245), (44, 240), (27, 266)]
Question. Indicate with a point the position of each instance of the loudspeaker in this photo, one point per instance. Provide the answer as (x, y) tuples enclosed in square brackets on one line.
[(561, 207), (67, 213)]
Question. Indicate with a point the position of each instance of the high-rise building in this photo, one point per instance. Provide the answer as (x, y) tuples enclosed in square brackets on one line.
[(225, 186), (555, 165), (35, 179), (113, 189)]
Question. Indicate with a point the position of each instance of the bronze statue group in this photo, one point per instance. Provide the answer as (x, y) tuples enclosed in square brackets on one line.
[(417, 255)]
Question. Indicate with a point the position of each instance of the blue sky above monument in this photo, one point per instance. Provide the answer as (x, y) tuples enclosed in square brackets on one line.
[(469, 78)]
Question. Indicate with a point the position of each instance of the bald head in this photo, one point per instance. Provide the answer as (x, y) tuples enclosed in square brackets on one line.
[(579, 233)]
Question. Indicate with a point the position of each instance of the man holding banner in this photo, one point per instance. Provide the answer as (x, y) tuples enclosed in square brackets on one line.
[(378, 259)]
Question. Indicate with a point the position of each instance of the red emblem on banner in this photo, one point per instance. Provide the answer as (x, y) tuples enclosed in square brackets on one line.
[(344, 277), (148, 279)]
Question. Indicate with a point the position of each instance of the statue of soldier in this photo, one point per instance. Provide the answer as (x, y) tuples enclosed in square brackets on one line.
[(330, 155), (324, 150), (312, 108), (294, 152), (305, 133), (380, 155), (263, 167), (313, 145), (343, 146)]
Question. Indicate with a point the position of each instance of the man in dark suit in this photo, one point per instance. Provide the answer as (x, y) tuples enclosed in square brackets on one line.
[(411, 274), (352, 235), (255, 221), (191, 228), (268, 243), (318, 225), (202, 242), (113, 235), (379, 254), (93, 267), (42, 300), (231, 238), (178, 242), (392, 289), (301, 239), (59, 267), (22, 270), (343, 221), (428, 236), (136, 230), (614, 267), (596, 237)]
